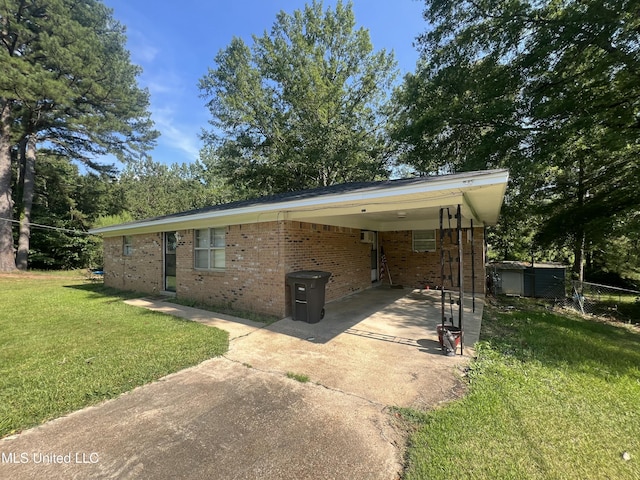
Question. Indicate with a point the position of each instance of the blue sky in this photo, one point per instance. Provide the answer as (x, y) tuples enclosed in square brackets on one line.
[(175, 43)]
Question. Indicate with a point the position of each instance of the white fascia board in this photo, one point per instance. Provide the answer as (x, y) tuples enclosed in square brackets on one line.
[(448, 182), (437, 184), (186, 222)]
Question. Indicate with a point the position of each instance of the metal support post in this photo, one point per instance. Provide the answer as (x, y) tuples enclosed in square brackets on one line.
[(473, 272), (460, 278), (442, 264)]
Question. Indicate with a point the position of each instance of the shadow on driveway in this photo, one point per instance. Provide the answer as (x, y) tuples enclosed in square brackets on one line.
[(396, 315), (380, 344)]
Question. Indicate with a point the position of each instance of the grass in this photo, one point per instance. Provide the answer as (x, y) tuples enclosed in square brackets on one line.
[(550, 396), (66, 344), (299, 377), (617, 308), (226, 309)]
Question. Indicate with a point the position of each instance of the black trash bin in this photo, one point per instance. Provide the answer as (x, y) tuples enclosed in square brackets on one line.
[(307, 294)]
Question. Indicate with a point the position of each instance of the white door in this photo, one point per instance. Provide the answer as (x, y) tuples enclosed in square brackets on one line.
[(374, 258)]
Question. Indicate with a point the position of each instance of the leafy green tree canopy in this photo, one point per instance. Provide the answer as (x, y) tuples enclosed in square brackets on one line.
[(550, 90), (152, 189), (302, 106)]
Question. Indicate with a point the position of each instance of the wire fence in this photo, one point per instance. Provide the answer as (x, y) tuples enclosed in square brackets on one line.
[(587, 298), (603, 300)]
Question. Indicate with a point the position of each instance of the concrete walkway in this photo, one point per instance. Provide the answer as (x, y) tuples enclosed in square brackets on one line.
[(240, 417)]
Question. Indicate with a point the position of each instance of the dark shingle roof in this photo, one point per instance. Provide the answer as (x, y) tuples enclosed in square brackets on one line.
[(319, 192), (316, 192)]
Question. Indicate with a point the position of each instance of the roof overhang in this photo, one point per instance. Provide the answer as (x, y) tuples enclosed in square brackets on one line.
[(407, 206)]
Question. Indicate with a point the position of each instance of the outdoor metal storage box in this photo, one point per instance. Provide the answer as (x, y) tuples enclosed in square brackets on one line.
[(307, 294), (540, 280)]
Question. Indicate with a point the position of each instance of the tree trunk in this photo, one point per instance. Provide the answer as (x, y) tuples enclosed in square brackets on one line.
[(580, 234), (28, 179), (7, 259), (578, 252)]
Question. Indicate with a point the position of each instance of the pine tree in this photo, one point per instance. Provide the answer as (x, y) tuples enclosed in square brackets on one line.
[(67, 83)]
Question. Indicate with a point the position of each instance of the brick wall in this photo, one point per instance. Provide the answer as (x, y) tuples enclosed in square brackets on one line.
[(141, 271), (258, 256), (332, 249), (418, 269), (253, 278)]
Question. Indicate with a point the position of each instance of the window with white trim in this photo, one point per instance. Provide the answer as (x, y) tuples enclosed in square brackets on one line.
[(209, 248), (424, 240), (127, 245)]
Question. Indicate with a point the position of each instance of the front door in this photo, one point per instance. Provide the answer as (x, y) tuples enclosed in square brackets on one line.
[(374, 258), (170, 261)]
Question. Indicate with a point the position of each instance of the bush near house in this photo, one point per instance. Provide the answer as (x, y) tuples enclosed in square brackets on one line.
[(551, 395), (66, 344)]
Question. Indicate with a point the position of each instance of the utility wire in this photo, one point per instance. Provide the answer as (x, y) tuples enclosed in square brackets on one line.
[(48, 227)]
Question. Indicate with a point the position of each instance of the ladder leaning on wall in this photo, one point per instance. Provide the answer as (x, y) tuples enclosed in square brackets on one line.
[(452, 286)]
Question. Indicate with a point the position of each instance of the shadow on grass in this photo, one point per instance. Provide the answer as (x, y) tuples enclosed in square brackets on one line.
[(627, 312), (109, 295), (99, 290), (227, 309), (531, 333)]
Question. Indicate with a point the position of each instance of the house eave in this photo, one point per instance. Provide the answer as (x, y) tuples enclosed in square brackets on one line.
[(480, 195)]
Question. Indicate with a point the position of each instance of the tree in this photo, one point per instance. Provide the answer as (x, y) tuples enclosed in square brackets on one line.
[(548, 89), (152, 189), (301, 107), (65, 205), (54, 205), (67, 83)]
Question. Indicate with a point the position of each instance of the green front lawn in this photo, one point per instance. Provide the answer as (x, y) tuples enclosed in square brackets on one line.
[(66, 344), (551, 396)]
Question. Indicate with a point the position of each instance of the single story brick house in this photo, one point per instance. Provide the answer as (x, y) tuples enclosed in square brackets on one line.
[(239, 253)]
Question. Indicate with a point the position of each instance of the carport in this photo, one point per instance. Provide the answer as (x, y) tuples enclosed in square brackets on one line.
[(404, 316), (456, 207)]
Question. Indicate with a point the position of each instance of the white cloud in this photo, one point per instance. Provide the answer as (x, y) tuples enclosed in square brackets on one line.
[(182, 137), (163, 83), (144, 54), (174, 109), (159, 88), (141, 48)]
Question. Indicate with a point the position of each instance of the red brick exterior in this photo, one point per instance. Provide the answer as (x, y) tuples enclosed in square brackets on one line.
[(332, 249), (258, 257), (141, 271), (419, 269), (253, 278)]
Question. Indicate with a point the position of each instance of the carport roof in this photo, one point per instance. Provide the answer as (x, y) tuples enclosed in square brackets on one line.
[(405, 204)]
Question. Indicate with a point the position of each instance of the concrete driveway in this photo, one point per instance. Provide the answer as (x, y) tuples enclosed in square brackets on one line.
[(240, 417)]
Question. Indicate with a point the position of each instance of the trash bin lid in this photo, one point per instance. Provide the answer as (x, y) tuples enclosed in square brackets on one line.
[(309, 274)]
